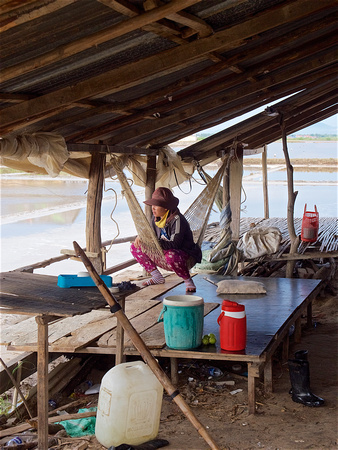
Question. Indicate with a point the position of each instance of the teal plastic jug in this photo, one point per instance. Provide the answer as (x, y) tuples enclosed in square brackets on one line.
[(183, 319)]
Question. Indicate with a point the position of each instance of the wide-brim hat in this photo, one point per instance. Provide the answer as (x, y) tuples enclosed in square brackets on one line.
[(163, 197)]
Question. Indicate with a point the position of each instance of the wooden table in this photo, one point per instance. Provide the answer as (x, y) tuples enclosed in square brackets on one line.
[(269, 317), (39, 295)]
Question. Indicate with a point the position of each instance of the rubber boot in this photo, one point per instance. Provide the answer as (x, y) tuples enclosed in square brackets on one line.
[(300, 381), (301, 354)]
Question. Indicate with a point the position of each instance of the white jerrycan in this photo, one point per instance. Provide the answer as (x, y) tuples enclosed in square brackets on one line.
[(129, 406)]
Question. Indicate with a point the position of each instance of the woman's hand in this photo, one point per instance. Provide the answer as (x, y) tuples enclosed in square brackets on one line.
[(137, 242)]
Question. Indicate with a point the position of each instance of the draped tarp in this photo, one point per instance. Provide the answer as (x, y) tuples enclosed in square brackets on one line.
[(47, 154), (42, 153)]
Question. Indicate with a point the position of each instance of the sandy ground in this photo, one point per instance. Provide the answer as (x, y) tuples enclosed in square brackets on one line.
[(279, 423)]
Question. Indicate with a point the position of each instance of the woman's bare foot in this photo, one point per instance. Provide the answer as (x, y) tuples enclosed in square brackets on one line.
[(189, 285)]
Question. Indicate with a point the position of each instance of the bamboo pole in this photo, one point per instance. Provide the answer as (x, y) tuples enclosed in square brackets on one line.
[(143, 349)]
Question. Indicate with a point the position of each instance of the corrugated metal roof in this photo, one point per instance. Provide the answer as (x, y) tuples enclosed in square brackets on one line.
[(146, 74)]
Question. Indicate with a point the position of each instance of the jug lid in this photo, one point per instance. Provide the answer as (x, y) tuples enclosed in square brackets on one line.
[(228, 305)]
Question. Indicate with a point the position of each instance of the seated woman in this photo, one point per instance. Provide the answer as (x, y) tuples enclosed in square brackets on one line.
[(175, 238)]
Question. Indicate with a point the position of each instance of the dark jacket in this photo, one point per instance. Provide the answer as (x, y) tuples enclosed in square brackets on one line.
[(179, 235)]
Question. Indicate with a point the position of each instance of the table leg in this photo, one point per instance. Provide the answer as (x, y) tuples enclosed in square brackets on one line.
[(298, 330), (253, 373), (309, 315), (119, 357), (268, 386), (42, 385), (286, 346), (174, 371)]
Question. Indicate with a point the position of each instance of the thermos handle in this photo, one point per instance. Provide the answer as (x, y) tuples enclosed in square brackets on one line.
[(305, 208), (160, 319), (220, 317)]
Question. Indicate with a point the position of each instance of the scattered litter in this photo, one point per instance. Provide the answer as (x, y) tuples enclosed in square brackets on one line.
[(80, 427), (225, 383), (95, 389), (190, 379), (236, 391)]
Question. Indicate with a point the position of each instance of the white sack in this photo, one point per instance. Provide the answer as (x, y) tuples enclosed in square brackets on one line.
[(240, 287), (260, 241)]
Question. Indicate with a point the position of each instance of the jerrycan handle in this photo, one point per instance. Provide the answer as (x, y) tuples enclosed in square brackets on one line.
[(160, 319), (316, 209), (220, 317), (305, 208)]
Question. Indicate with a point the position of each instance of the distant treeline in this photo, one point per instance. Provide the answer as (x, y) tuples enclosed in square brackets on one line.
[(293, 137)]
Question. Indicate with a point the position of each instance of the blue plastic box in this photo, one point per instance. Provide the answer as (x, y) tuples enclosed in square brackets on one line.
[(67, 281)]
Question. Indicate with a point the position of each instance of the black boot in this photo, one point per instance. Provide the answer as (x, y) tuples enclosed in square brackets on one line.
[(300, 382), (301, 354)]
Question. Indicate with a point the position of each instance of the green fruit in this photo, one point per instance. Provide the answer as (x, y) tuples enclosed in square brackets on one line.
[(205, 340), (211, 335), (212, 340)]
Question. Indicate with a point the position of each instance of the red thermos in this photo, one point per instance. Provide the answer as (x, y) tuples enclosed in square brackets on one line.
[(232, 322)]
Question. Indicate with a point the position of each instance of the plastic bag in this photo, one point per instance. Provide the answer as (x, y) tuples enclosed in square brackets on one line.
[(80, 427)]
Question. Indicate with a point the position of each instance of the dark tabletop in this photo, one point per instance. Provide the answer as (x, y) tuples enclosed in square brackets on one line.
[(39, 294)]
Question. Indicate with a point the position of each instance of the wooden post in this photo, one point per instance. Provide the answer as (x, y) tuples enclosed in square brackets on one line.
[(294, 239), (151, 181), (94, 202), (265, 183), (236, 175), (42, 386), (119, 357), (268, 385), (253, 373)]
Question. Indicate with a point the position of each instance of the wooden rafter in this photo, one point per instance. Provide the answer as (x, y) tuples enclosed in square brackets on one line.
[(152, 66), (27, 11), (222, 98), (128, 108), (80, 45)]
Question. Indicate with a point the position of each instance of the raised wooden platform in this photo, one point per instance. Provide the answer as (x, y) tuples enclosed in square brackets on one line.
[(269, 317)]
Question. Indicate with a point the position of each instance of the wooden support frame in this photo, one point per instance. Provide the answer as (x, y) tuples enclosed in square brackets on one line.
[(265, 183), (93, 214), (235, 184), (42, 387)]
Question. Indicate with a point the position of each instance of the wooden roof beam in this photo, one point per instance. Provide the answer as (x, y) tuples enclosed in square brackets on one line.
[(124, 27), (28, 11), (220, 98), (195, 24), (204, 91), (292, 126), (231, 63), (218, 139), (103, 148), (154, 65), (233, 111)]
